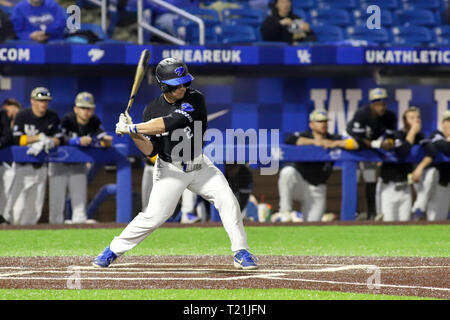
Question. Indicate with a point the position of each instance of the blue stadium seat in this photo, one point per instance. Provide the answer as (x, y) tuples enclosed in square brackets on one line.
[(412, 35), (383, 4), (341, 4), (328, 33), (422, 4), (205, 14), (387, 19), (233, 33), (379, 36), (302, 14), (339, 17), (304, 4), (190, 32), (416, 17), (442, 34), (243, 16)]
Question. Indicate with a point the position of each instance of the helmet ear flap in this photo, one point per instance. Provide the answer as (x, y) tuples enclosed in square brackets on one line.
[(164, 87)]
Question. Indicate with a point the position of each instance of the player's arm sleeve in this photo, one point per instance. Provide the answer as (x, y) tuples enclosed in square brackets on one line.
[(391, 127), (402, 147), (357, 128), (56, 130), (292, 138), (5, 133), (18, 133), (442, 146)]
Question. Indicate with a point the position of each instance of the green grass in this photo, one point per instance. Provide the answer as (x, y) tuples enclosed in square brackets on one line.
[(407, 241), (178, 294), (411, 241)]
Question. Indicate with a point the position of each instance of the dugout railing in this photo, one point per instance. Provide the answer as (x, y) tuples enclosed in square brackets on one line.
[(281, 154)]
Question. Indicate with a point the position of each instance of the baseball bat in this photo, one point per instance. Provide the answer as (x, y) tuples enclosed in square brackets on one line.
[(140, 73)]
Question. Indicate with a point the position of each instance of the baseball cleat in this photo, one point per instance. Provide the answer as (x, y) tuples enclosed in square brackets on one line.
[(296, 216), (245, 260), (104, 259), (189, 218)]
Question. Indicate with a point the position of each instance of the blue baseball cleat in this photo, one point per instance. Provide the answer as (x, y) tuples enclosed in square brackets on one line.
[(104, 259), (245, 260)]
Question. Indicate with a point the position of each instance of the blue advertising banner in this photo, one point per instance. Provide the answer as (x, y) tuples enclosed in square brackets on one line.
[(27, 53)]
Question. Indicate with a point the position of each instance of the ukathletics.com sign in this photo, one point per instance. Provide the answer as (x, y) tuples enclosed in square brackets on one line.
[(407, 56)]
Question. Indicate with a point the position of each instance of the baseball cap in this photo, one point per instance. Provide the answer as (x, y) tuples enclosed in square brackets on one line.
[(41, 93), (377, 94), (446, 115), (318, 115), (85, 100)]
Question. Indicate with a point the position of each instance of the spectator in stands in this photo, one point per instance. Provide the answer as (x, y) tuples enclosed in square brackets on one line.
[(285, 26), (306, 181), (8, 112), (6, 3), (433, 182), (396, 194), (165, 19), (6, 27), (81, 128), (38, 128), (39, 20), (373, 127)]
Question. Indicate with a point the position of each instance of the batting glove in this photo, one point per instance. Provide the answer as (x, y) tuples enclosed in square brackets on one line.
[(48, 144), (125, 119), (35, 148), (123, 128)]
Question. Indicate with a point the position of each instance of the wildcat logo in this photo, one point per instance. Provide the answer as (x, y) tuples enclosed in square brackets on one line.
[(186, 107), (179, 71), (96, 54)]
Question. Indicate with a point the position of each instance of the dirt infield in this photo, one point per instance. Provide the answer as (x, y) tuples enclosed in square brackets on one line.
[(424, 277)]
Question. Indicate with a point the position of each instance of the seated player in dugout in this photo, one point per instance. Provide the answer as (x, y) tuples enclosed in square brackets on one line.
[(373, 126), (38, 128), (395, 191), (80, 128), (432, 180), (305, 182)]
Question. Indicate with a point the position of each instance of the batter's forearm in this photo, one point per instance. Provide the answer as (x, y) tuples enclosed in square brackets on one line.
[(143, 144), (152, 127)]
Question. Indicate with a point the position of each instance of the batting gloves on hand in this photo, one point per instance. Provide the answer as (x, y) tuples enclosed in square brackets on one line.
[(35, 148), (123, 126)]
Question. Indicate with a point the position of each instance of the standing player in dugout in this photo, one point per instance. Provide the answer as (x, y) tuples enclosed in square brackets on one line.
[(179, 113)]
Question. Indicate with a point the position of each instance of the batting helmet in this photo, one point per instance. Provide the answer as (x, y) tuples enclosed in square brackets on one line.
[(172, 72)]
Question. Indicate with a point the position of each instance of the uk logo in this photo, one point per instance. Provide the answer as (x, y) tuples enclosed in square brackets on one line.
[(186, 107), (179, 71)]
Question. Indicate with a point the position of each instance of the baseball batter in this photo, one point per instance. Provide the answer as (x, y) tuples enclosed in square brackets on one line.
[(81, 128), (179, 113)]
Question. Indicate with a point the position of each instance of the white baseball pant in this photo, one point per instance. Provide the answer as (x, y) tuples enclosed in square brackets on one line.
[(292, 186), (7, 173), (396, 201), (27, 194), (71, 176), (432, 198), (169, 182), (146, 185), (188, 200)]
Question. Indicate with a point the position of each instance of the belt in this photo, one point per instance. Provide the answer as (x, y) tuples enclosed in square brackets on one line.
[(191, 165)]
